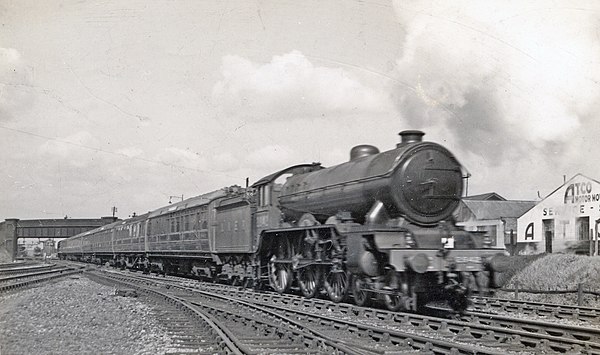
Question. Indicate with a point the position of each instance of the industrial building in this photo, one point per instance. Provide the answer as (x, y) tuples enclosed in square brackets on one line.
[(565, 221), (493, 214)]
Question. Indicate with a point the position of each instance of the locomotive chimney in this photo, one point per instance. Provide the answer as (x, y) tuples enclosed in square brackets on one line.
[(410, 136), (363, 150)]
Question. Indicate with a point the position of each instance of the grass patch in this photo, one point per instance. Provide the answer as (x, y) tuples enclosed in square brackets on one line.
[(517, 264), (553, 272)]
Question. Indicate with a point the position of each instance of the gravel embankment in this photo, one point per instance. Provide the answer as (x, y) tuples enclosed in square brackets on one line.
[(78, 316)]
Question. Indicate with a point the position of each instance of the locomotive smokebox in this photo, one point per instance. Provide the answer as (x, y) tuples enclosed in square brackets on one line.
[(363, 150), (410, 136)]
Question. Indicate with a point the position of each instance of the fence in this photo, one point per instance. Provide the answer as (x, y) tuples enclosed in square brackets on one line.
[(580, 291)]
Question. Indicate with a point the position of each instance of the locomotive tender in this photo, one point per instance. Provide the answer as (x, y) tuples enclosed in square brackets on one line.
[(378, 227)]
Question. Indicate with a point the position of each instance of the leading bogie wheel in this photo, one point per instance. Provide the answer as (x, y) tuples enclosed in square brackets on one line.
[(393, 302)]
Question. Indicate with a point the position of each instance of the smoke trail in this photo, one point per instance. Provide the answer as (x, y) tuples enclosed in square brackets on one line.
[(504, 77)]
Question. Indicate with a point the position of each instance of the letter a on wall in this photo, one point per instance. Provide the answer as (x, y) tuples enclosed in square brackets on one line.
[(529, 231)]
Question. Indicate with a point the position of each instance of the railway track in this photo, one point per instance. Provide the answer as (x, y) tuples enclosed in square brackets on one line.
[(510, 334), (25, 269), (193, 331), (237, 327), (492, 330), (421, 333), (15, 264), (525, 308), (13, 278)]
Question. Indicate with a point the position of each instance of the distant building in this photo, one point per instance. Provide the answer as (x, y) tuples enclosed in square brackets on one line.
[(565, 221), (493, 214)]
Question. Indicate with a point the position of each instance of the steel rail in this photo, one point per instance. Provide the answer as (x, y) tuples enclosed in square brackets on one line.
[(526, 336), (550, 328), (230, 344), (47, 276), (529, 335), (333, 343), (417, 342), (27, 274), (28, 269), (561, 311)]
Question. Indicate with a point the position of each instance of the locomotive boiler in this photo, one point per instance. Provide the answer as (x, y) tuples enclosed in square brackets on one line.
[(377, 228), (420, 181)]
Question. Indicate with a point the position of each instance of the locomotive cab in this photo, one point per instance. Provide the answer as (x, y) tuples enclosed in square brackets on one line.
[(267, 192)]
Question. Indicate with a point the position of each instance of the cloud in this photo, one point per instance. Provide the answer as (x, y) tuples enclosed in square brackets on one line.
[(178, 157), (489, 72), (291, 87), (130, 152), (70, 148), (270, 158), (15, 83)]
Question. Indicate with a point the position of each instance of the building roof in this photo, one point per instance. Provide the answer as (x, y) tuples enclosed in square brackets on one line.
[(490, 196), (486, 210), (568, 182)]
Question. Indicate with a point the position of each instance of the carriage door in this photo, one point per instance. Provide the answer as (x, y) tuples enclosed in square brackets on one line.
[(548, 229)]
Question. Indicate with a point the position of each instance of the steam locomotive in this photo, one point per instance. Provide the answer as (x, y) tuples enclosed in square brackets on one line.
[(378, 227)]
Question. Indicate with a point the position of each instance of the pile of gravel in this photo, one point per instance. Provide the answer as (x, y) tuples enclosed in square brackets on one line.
[(78, 316)]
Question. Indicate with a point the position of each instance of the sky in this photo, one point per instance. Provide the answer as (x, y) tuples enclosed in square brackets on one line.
[(127, 103)]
